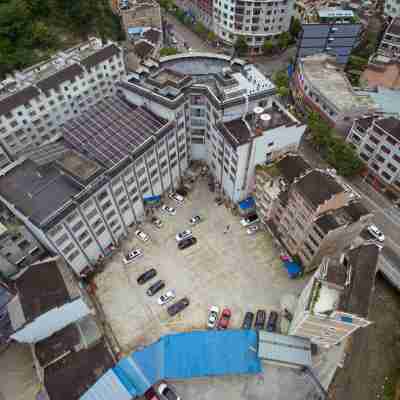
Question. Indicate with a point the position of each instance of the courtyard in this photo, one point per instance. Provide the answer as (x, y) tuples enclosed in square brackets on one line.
[(230, 269)]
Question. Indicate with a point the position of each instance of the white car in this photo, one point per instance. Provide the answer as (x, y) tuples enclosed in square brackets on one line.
[(376, 233), (143, 236), (132, 256), (195, 220), (166, 297), (251, 230), (250, 220), (166, 392), (212, 319), (168, 210), (183, 235), (176, 197)]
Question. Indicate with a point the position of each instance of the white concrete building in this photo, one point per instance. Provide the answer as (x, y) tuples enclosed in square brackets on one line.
[(256, 21), (229, 110), (335, 302), (37, 100), (390, 43)]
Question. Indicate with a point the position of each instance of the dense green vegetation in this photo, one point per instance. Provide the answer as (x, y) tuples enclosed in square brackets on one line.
[(338, 153), (31, 30), (281, 81), (241, 46), (168, 51)]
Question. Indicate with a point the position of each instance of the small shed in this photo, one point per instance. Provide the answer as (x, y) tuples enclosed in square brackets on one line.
[(290, 351)]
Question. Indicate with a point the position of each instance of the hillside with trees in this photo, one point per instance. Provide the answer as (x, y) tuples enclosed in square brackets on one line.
[(32, 30)]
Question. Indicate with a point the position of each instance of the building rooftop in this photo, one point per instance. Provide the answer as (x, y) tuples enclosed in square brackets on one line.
[(38, 191), (341, 216), (46, 153), (54, 80), (238, 130), (356, 298), (390, 125), (57, 344), (71, 376), (292, 166), (143, 48), (10, 99), (325, 76), (100, 55), (111, 130), (394, 27), (386, 75), (284, 349), (40, 288), (387, 100), (318, 186)]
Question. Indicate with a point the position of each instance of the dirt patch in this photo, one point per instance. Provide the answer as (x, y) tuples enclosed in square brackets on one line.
[(371, 370)]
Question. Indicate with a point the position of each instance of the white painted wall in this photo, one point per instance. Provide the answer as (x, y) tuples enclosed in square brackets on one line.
[(51, 322)]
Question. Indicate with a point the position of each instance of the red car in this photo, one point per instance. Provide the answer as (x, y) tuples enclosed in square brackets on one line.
[(224, 318), (151, 394)]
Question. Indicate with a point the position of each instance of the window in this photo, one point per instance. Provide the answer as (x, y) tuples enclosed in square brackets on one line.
[(386, 175), (106, 205), (391, 140), (119, 191), (392, 167), (97, 223), (92, 213), (83, 236), (61, 240), (111, 214), (385, 150), (122, 201), (102, 195), (73, 255), (141, 171), (270, 144), (77, 226), (68, 248)]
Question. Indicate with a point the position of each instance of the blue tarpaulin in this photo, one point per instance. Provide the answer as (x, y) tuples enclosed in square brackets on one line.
[(152, 199), (293, 269), (247, 204), (182, 356)]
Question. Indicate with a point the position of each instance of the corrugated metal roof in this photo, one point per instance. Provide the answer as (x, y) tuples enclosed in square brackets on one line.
[(108, 387), (285, 349)]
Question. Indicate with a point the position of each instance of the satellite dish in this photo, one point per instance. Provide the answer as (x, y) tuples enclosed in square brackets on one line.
[(265, 117), (258, 110)]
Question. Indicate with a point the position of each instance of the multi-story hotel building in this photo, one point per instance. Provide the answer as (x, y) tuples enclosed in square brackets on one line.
[(390, 43), (81, 194), (37, 100)]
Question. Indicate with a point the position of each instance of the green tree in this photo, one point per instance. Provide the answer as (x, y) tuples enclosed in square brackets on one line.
[(168, 51), (241, 46), (268, 47), (295, 27), (284, 40), (200, 29), (211, 36)]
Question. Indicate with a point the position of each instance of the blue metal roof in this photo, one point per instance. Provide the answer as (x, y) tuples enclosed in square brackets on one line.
[(182, 356)]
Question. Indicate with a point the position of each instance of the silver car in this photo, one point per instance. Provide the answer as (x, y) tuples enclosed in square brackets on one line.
[(132, 256), (166, 297), (183, 235)]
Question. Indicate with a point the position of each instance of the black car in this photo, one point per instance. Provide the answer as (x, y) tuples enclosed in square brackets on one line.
[(145, 277), (261, 316), (178, 306), (272, 321), (183, 244), (153, 289), (248, 320)]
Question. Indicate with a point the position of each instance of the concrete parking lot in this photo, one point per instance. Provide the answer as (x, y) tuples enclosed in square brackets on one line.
[(228, 270)]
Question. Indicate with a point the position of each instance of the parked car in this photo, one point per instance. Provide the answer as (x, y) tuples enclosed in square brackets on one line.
[(151, 394), (251, 230), (132, 256), (176, 197), (272, 321), (157, 222), (166, 297), (143, 236), (146, 276), (212, 319), (250, 220), (178, 306), (376, 233), (184, 244), (224, 318), (248, 320), (168, 210), (156, 287), (195, 220), (166, 391), (183, 235), (261, 316)]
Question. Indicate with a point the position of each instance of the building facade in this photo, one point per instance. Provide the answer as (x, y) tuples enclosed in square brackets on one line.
[(36, 101), (255, 21), (321, 86), (392, 9), (18, 249), (390, 43), (310, 211), (331, 31), (335, 303), (377, 141)]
